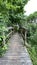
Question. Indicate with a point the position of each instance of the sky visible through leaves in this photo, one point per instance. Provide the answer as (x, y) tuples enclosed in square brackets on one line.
[(31, 7)]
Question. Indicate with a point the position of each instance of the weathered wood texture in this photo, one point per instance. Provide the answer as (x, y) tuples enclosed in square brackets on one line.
[(16, 54)]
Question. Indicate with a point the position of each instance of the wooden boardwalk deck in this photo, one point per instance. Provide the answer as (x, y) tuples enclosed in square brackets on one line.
[(16, 54)]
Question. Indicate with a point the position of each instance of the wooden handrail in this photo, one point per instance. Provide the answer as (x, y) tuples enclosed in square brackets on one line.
[(4, 39), (9, 28), (9, 34)]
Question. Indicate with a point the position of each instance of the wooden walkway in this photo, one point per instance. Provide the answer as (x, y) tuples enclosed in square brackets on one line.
[(16, 54)]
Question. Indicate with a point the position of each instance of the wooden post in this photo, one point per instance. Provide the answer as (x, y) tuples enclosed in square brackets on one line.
[(3, 38), (11, 32), (25, 41)]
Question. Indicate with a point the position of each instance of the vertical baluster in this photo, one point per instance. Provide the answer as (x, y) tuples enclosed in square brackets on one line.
[(25, 37), (3, 37)]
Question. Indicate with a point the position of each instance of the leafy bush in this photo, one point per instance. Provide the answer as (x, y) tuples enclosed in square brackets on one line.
[(3, 50), (33, 54), (32, 37)]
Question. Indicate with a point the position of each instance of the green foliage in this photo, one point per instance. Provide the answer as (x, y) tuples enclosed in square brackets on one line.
[(33, 54), (3, 50), (32, 17), (32, 36), (30, 22), (11, 12)]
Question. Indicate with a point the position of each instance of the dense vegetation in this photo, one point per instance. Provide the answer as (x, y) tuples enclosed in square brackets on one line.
[(32, 36), (31, 24), (12, 14)]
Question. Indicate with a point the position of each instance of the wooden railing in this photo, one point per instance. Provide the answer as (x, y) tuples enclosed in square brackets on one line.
[(23, 32), (8, 35)]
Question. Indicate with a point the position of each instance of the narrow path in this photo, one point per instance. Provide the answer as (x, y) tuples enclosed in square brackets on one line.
[(16, 54)]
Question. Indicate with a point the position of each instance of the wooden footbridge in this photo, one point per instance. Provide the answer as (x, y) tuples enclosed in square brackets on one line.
[(16, 54)]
